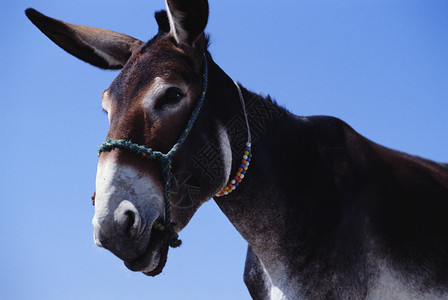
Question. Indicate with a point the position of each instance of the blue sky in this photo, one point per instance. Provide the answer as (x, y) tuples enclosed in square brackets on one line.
[(381, 66)]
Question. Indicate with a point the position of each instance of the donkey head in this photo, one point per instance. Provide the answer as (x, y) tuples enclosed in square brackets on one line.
[(149, 103)]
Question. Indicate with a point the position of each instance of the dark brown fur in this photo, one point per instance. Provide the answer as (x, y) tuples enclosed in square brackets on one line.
[(321, 206)]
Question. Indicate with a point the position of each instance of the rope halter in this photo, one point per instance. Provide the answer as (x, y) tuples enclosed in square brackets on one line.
[(164, 160)]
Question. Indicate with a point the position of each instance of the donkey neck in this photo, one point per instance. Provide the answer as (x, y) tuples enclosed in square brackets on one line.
[(286, 199), (256, 208)]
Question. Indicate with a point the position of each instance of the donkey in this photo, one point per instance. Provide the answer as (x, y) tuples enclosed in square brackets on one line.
[(326, 213)]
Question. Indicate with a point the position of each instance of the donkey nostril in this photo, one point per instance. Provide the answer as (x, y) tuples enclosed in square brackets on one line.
[(129, 221)]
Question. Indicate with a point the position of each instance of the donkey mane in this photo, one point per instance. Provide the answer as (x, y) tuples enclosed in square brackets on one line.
[(264, 97)]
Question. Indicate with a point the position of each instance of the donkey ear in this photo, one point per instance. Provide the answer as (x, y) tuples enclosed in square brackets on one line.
[(163, 21), (188, 19), (100, 47)]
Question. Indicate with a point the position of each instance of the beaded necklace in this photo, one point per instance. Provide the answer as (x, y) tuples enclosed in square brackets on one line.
[(247, 155)]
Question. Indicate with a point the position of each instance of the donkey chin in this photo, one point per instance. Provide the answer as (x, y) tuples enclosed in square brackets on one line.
[(126, 217), (153, 260), (146, 254)]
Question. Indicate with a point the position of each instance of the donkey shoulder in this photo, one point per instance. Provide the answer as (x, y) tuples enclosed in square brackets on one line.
[(403, 198)]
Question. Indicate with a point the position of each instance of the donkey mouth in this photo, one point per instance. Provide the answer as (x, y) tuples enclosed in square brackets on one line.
[(153, 260)]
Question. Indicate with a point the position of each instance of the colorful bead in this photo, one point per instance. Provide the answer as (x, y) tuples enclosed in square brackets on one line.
[(244, 165)]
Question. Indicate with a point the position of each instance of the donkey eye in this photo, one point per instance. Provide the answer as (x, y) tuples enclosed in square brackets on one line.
[(172, 96)]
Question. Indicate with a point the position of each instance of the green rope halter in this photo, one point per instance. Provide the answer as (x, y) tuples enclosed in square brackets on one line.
[(165, 160)]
